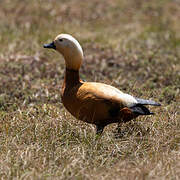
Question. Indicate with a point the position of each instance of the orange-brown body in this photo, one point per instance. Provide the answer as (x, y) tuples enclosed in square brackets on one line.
[(86, 102)]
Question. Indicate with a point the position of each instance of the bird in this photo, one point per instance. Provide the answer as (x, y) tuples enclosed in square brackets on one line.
[(94, 102)]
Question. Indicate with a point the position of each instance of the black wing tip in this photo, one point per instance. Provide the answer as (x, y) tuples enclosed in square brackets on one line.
[(158, 104), (147, 102), (141, 110)]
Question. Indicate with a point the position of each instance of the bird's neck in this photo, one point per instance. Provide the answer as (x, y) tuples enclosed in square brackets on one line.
[(71, 78)]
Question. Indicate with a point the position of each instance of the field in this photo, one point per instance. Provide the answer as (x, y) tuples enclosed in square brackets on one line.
[(133, 45)]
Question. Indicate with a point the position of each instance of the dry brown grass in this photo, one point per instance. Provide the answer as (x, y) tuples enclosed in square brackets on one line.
[(131, 44)]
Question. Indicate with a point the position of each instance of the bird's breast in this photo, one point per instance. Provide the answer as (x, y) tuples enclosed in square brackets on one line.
[(83, 106)]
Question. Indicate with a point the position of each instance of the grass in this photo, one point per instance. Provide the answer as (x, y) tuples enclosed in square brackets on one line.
[(131, 44)]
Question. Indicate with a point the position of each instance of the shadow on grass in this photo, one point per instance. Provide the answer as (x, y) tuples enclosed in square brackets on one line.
[(129, 129)]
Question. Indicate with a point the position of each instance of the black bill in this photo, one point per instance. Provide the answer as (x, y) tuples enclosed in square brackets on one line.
[(50, 45)]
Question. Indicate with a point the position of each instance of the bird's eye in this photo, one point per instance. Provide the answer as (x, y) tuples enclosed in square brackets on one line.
[(61, 40)]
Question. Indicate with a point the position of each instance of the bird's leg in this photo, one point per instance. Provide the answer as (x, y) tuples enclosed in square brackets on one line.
[(118, 132), (119, 128), (99, 129)]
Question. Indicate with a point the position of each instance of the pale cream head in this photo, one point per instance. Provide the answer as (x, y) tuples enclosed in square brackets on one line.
[(70, 48)]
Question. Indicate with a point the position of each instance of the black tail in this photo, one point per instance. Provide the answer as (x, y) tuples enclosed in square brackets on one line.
[(140, 110), (147, 102)]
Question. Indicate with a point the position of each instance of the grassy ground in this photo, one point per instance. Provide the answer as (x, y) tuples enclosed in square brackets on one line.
[(131, 44)]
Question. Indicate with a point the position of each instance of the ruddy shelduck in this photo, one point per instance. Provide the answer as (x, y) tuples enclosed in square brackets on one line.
[(93, 102)]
